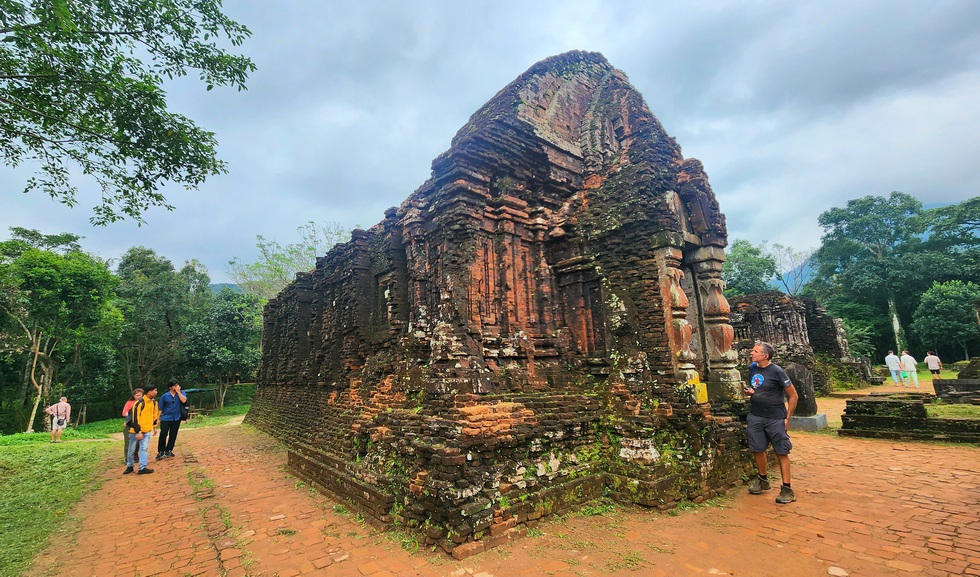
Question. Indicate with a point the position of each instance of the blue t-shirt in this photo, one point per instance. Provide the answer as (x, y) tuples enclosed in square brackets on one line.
[(169, 407), (769, 399)]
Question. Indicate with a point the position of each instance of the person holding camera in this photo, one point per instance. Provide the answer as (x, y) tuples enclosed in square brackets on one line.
[(60, 417), (773, 400), (145, 417), (171, 414)]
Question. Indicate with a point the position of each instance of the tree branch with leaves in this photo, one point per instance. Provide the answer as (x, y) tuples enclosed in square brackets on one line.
[(81, 92)]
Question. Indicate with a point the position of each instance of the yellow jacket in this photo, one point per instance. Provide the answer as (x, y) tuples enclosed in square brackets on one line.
[(145, 416)]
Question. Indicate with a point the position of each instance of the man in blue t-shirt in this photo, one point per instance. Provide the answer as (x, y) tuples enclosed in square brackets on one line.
[(170, 418), (773, 399)]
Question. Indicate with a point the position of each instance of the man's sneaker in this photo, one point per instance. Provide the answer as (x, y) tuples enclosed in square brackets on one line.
[(128, 471), (786, 495), (161, 455), (170, 454), (144, 471), (758, 485)]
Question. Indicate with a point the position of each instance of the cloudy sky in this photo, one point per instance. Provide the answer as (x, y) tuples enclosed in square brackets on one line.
[(793, 107)]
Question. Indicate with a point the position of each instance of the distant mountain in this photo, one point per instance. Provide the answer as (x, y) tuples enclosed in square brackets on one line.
[(803, 272), (216, 287)]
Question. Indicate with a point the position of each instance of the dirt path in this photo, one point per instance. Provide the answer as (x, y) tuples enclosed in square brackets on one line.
[(869, 507)]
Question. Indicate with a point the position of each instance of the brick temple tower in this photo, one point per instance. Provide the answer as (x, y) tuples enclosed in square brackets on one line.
[(541, 320)]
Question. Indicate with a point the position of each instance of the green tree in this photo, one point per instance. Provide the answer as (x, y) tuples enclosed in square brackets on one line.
[(872, 252), (158, 303), (225, 344), (278, 264), (51, 301), (747, 270), (81, 92), (946, 315)]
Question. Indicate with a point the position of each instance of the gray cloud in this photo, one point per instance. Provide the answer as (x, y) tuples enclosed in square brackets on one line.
[(792, 107)]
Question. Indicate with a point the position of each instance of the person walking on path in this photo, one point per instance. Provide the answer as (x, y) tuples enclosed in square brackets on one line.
[(137, 395), (894, 366), (170, 417), (935, 365), (909, 366), (60, 417), (146, 416), (773, 400)]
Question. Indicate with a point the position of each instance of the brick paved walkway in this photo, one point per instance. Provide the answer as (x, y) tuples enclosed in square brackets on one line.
[(868, 507)]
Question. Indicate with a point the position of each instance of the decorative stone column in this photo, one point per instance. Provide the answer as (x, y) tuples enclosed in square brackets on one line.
[(722, 377), (679, 329)]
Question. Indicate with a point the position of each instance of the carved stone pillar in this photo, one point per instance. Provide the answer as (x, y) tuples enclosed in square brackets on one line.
[(717, 338), (679, 329)]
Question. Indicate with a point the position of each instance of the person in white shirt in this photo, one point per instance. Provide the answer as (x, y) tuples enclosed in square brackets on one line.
[(934, 364), (895, 366), (909, 366)]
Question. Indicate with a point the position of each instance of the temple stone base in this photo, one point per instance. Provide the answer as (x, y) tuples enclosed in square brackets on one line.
[(814, 423)]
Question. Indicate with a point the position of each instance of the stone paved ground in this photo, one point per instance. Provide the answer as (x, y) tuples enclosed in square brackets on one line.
[(867, 507)]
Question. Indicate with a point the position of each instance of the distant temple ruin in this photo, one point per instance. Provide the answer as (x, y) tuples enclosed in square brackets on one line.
[(801, 330), (541, 322)]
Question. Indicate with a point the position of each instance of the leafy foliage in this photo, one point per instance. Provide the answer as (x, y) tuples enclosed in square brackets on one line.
[(225, 344), (57, 310), (278, 264), (880, 255), (81, 91), (747, 269), (946, 314), (871, 252), (158, 303)]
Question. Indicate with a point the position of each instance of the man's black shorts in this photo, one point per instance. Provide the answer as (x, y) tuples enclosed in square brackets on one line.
[(763, 432)]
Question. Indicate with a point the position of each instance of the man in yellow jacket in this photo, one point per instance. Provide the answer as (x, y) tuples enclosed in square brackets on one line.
[(145, 417)]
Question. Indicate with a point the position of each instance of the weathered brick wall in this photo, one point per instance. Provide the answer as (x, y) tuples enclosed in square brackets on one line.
[(540, 320), (826, 333)]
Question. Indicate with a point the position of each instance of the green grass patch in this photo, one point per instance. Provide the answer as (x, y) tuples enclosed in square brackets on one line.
[(948, 411), (103, 429), (218, 417), (96, 430), (41, 483)]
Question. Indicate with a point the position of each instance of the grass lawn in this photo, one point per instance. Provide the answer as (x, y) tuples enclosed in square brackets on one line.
[(218, 417), (950, 411), (41, 482)]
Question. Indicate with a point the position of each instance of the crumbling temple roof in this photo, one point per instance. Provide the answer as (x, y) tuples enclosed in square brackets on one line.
[(569, 123)]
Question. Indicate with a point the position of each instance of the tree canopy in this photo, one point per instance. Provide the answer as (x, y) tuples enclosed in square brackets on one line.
[(747, 269), (946, 315), (51, 301), (871, 251), (880, 255), (82, 92), (225, 342), (158, 304)]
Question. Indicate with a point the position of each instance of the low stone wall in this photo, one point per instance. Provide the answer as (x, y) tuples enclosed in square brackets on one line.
[(904, 417), (957, 390)]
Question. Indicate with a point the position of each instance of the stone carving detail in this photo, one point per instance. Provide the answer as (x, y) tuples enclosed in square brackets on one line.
[(540, 322)]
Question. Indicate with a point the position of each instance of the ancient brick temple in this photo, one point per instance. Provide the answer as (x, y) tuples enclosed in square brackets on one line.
[(542, 321), (799, 328)]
